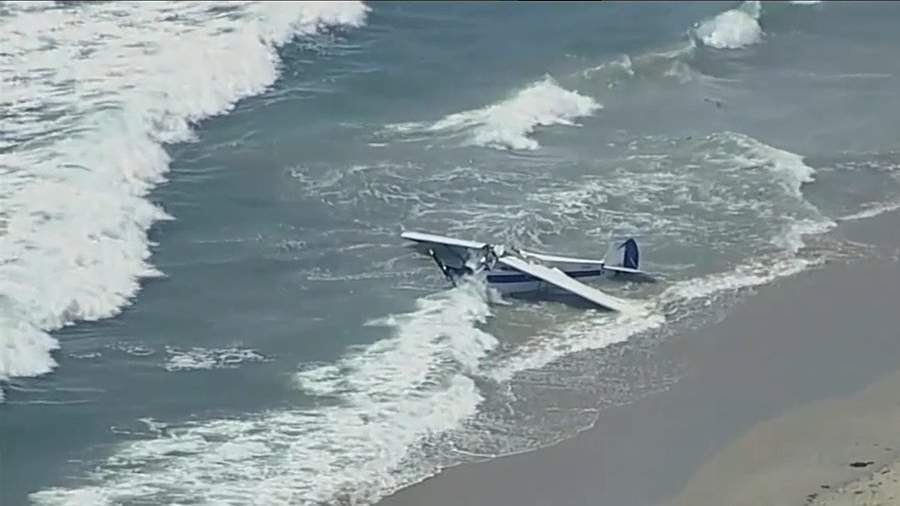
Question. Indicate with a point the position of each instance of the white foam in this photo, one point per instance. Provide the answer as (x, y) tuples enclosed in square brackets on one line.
[(87, 355), (791, 173), (92, 90), (756, 271), (743, 276), (730, 159), (665, 62), (789, 167), (24, 349), (590, 333), (509, 123), (805, 2), (596, 332), (352, 446), (623, 64), (135, 350), (203, 358), (871, 210), (791, 240), (733, 29)]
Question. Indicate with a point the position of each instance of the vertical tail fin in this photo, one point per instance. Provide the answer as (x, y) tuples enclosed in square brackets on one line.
[(631, 257)]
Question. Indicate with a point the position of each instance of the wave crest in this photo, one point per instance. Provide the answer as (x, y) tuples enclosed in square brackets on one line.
[(509, 123), (733, 29)]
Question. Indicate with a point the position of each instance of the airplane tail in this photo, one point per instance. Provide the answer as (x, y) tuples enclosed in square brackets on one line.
[(631, 256), (629, 263)]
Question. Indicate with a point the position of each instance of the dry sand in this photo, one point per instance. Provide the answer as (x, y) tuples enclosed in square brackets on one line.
[(809, 455), (879, 489)]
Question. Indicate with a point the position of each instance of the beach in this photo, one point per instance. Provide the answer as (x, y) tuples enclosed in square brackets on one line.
[(793, 398)]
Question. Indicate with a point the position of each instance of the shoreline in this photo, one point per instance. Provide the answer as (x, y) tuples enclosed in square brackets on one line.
[(822, 337)]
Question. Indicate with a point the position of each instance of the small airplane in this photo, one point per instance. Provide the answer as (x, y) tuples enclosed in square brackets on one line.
[(516, 271)]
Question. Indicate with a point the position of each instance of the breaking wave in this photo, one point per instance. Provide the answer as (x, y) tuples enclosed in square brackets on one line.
[(376, 406), (509, 123), (91, 93), (732, 29)]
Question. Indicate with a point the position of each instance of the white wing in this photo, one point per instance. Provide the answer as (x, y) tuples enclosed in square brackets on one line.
[(422, 237), (557, 278)]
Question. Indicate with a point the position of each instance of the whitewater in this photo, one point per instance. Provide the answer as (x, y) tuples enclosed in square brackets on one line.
[(91, 94)]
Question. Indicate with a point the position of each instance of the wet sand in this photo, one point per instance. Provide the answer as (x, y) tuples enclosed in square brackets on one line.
[(795, 389)]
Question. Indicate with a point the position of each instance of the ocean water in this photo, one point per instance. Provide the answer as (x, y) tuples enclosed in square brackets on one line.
[(203, 294)]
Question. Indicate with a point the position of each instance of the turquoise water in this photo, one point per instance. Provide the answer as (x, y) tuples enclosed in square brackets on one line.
[(204, 295)]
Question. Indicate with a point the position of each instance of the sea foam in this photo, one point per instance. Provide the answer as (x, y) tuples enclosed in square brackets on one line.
[(91, 92), (733, 29), (358, 442)]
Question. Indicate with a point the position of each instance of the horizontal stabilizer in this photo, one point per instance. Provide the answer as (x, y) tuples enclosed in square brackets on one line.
[(630, 274), (561, 259), (557, 278), (623, 270)]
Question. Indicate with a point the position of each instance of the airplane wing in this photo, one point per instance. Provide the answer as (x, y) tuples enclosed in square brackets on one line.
[(557, 278), (422, 237)]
